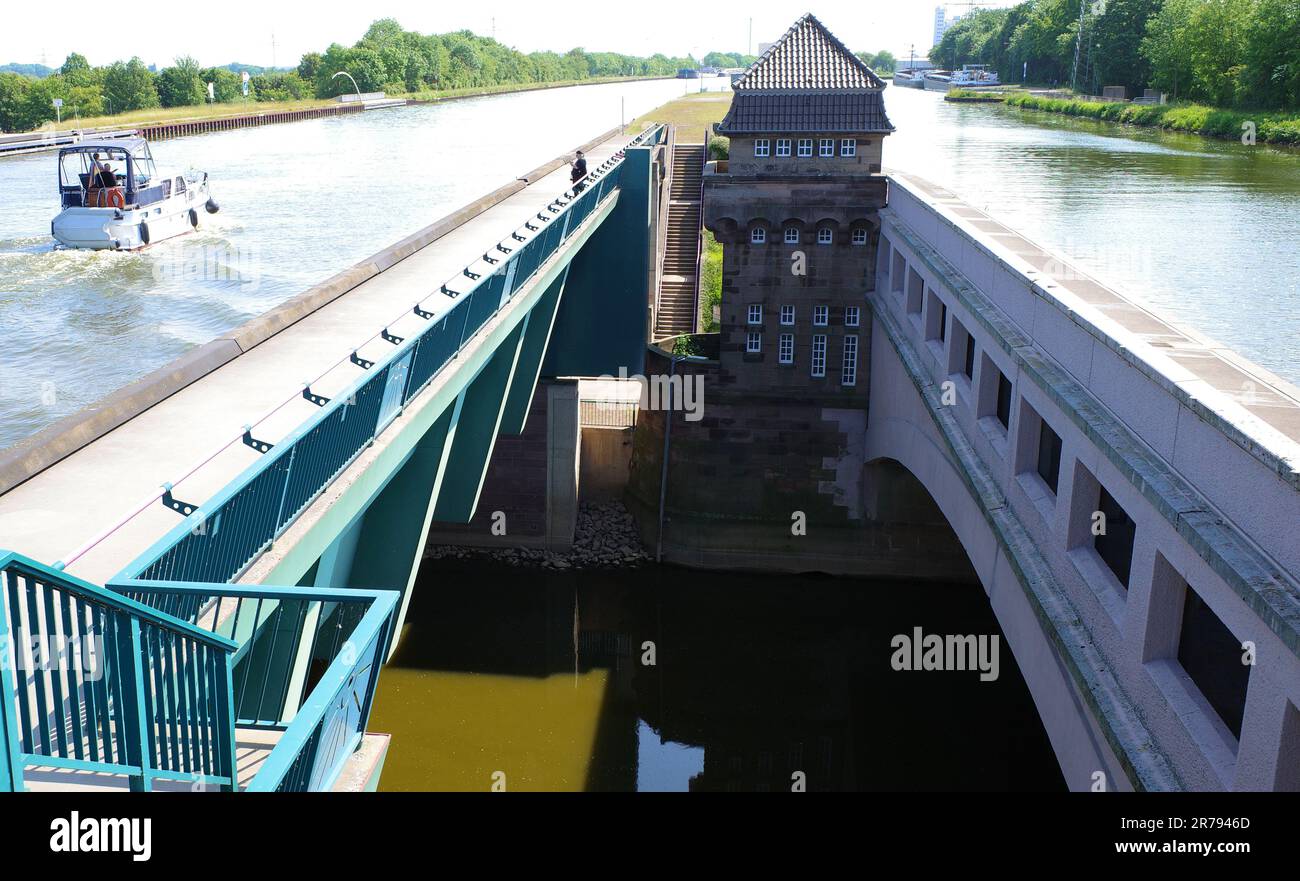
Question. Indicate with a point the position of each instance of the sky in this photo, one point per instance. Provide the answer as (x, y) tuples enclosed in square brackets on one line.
[(280, 31)]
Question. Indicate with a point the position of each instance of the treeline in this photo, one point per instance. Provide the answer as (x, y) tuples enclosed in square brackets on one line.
[(387, 59), (1229, 53), (393, 60)]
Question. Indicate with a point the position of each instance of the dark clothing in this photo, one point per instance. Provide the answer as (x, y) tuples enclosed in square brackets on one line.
[(579, 169)]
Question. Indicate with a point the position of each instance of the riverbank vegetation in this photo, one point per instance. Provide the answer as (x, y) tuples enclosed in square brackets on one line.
[(692, 115), (1264, 127), (1230, 54), (387, 58)]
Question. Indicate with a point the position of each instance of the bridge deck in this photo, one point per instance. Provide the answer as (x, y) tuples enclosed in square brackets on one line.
[(74, 500)]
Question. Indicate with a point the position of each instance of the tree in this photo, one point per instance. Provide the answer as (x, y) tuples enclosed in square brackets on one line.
[(227, 85), (1167, 48), (1117, 38), (308, 66), (129, 86), (1273, 54), (881, 62), (182, 85), (76, 70)]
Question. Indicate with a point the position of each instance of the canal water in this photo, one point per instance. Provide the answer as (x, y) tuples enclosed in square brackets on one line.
[(300, 201), (539, 680), (1206, 232)]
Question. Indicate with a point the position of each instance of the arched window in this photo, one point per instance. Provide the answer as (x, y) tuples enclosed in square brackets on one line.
[(758, 235)]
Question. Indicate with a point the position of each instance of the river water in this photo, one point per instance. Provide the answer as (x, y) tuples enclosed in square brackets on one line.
[(300, 201), (540, 680)]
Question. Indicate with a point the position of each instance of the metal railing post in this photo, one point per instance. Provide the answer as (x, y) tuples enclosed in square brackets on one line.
[(137, 722)]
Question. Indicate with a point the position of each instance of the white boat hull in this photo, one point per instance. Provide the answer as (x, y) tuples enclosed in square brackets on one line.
[(131, 229)]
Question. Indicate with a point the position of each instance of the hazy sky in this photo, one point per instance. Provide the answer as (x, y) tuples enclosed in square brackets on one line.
[(241, 30)]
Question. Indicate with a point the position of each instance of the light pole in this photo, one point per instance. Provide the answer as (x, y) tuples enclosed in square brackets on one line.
[(349, 76)]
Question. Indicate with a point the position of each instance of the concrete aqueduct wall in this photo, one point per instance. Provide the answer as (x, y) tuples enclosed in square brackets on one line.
[(1150, 413)]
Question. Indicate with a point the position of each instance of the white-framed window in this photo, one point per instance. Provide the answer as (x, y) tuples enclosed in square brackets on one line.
[(782, 146), (762, 147), (821, 315), (805, 148), (819, 354), (826, 147), (787, 315), (849, 370), (792, 235), (785, 351), (755, 314), (860, 236), (753, 342), (758, 235), (848, 147), (852, 315), (825, 236)]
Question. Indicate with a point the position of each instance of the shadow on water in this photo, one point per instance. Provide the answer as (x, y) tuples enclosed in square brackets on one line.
[(539, 676)]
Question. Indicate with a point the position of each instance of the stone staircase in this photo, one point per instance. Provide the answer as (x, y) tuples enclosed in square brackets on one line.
[(679, 282)]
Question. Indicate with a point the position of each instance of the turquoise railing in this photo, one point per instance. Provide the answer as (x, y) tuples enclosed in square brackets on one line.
[(92, 681), (307, 665), (221, 537)]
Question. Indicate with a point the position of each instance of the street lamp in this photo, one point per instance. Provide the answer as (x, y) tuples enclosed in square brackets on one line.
[(349, 76)]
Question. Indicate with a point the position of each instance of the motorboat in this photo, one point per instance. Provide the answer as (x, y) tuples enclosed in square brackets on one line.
[(113, 197)]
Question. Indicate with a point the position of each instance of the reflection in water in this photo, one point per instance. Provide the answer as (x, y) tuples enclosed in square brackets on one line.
[(755, 678)]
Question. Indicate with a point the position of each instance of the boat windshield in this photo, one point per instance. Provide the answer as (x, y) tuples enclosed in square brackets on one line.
[(131, 169)]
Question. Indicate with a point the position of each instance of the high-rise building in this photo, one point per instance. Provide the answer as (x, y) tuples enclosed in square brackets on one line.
[(942, 23)]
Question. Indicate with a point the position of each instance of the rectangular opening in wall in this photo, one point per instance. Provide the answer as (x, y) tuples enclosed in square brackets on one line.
[(936, 314), (896, 273), (1113, 538), (1003, 411), (1049, 455), (969, 366), (1212, 657), (915, 287)]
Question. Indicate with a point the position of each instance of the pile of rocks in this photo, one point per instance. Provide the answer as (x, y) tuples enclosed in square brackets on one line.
[(606, 537)]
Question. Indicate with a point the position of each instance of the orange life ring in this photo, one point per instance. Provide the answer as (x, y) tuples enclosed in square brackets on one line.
[(115, 197)]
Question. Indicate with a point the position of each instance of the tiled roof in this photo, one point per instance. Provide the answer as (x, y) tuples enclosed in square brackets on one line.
[(808, 57), (817, 113)]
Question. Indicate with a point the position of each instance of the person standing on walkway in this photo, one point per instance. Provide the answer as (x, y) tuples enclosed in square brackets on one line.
[(579, 172)]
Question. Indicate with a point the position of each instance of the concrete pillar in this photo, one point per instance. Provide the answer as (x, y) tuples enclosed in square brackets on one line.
[(562, 464)]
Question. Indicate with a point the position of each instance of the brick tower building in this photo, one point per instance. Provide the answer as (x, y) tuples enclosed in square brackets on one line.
[(771, 474), (795, 209)]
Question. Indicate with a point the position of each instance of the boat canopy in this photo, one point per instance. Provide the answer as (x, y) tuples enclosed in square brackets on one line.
[(128, 158)]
